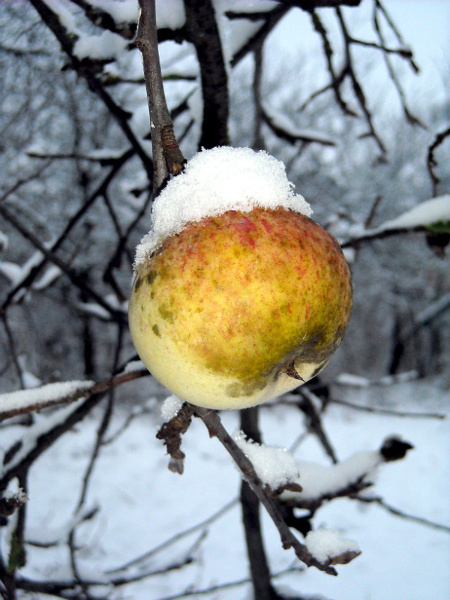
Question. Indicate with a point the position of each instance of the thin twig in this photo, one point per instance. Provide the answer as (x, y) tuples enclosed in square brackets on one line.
[(98, 192), (431, 159), (74, 277), (399, 513)]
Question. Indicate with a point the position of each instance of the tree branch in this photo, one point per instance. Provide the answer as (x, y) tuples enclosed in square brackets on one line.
[(67, 42), (431, 159), (167, 156), (98, 192), (39, 397), (259, 568), (203, 33), (215, 428)]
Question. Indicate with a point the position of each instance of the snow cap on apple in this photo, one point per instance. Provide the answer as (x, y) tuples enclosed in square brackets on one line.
[(238, 295)]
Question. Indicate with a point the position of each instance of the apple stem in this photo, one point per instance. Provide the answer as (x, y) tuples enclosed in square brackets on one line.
[(167, 156)]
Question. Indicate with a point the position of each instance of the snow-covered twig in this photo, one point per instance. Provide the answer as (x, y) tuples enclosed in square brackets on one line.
[(216, 429), (418, 218), (58, 23), (53, 394), (344, 479)]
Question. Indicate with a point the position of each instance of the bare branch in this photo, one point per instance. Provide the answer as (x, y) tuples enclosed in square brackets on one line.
[(270, 21), (431, 159), (336, 80), (67, 42), (203, 33), (400, 513), (98, 192), (76, 279), (167, 155), (357, 88), (202, 525), (412, 120)]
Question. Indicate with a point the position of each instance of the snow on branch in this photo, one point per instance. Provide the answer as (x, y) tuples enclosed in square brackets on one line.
[(429, 213), (323, 483), (216, 429), (52, 394), (327, 546), (276, 467), (426, 213), (105, 46), (10, 501)]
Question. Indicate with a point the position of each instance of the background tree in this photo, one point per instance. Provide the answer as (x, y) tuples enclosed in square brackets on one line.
[(76, 197)]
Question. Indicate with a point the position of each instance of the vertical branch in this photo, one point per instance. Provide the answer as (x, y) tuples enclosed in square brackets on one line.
[(259, 568), (258, 140), (431, 159), (357, 88), (202, 32), (167, 156)]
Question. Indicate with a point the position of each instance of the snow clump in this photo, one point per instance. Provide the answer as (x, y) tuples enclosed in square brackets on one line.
[(171, 407), (215, 181), (326, 544), (274, 466)]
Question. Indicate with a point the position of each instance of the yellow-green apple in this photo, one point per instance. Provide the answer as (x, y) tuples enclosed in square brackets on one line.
[(240, 307)]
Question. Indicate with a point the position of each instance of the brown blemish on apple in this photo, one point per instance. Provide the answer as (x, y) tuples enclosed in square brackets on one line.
[(237, 389), (151, 277), (166, 314), (156, 331)]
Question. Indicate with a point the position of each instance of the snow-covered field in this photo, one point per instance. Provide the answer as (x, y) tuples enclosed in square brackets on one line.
[(142, 505)]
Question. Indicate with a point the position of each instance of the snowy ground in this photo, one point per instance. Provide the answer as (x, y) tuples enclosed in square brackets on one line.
[(142, 504)]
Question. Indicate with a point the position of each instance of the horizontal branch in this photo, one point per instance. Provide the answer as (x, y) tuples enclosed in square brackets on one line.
[(376, 234), (54, 394)]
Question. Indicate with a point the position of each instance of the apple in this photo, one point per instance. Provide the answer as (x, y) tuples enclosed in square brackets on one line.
[(240, 307)]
